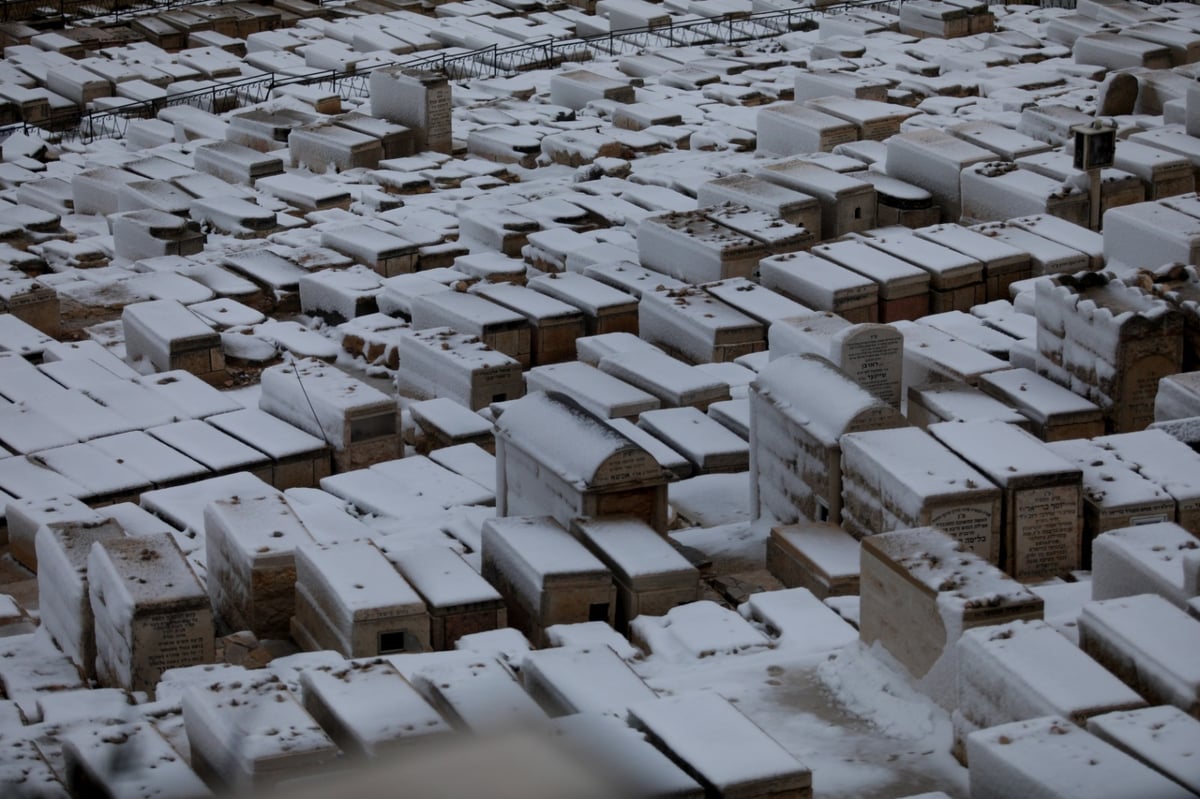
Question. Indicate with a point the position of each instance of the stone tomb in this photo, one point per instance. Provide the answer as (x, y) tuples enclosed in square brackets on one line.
[(368, 708), (789, 128), (1178, 397), (499, 327), (567, 680), (553, 457), (359, 422), (821, 284), (458, 600), (1053, 758), (791, 206), (605, 309), (921, 590), (870, 354), (131, 759), (350, 599), (30, 301), (1003, 677), (818, 556), (418, 100), (151, 613), (674, 383), (1153, 558), (1055, 413), (651, 576), (690, 246), (847, 204), (1164, 738), (554, 325), (170, 336), (698, 327), (62, 574), (1114, 495), (250, 544), (1149, 643), (440, 362), (743, 761), (1166, 462), (1042, 495), (881, 492), (800, 407), (545, 575)]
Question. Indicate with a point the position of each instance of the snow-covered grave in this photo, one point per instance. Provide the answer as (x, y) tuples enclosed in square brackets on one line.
[(252, 733), (1052, 757), (880, 494), (1166, 462), (579, 87), (675, 383), (934, 160), (1150, 558), (1008, 144), (440, 362), (696, 630), (873, 120), (1003, 677), (151, 613), (359, 422), (1147, 642), (818, 556), (698, 327), (296, 457), (458, 600), (763, 305), (25, 516), (250, 543), (308, 194), (695, 248), (800, 407), (796, 616), (31, 301), (568, 680), (397, 141), (497, 326), (931, 356), (66, 613), (371, 246), (97, 190), (821, 284), (1151, 233), (554, 457), (1163, 174), (708, 445), (814, 84), (629, 277), (956, 281), (847, 204), (1056, 413), (553, 324), (1003, 263), (903, 288), (319, 147), (605, 309), (475, 693), (999, 190), (789, 205), (788, 128), (957, 402), (764, 227), (634, 766), (925, 18), (743, 761), (132, 759), (418, 100), (651, 576), (1042, 504), (1114, 495), (1178, 397), (898, 203), (598, 392), (151, 233), (169, 336), (442, 422), (407, 488), (234, 163), (218, 452), (368, 708), (545, 575), (350, 599), (266, 130), (1115, 341), (1164, 738), (921, 590), (339, 295), (1117, 51)]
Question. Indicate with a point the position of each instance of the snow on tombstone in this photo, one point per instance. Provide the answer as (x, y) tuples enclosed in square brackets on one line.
[(350, 599), (818, 556), (131, 759), (1003, 677), (151, 613), (1168, 463), (567, 680), (459, 601), (250, 544), (800, 407), (170, 336), (847, 204), (1051, 757), (1164, 738), (1146, 559), (921, 590), (66, 611), (419, 100), (821, 284), (690, 246), (545, 575), (696, 326), (441, 362), (361, 423), (1056, 413)]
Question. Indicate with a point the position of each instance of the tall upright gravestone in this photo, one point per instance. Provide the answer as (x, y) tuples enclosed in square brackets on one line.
[(417, 99)]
